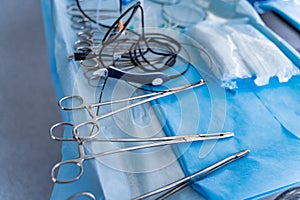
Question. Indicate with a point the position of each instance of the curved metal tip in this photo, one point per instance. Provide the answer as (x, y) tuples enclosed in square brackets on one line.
[(242, 153), (227, 134)]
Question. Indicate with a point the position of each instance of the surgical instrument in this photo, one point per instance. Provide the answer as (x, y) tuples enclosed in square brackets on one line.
[(94, 10), (90, 34), (79, 21), (181, 183), (82, 194), (196, 137), (81, 104), (74, 7), (86, 29), (156, 142), (165, 54), (126, 54)]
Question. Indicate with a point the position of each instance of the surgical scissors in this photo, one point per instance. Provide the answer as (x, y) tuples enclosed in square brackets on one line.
[(81, 104), (181, 183), (156, 142)]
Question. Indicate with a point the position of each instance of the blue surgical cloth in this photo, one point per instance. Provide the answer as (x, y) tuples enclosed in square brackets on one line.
[(264, 120), (206, 109), (119, 176)]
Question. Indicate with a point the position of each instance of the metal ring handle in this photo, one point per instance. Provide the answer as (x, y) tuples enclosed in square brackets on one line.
[(56, 167), (93, 133), (71, 99), (54, 136)]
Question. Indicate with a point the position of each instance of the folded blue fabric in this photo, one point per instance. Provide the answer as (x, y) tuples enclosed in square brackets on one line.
[(288, 9), (264, 120)]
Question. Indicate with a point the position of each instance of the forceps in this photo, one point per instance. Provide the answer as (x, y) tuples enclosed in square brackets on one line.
[(155, 142), (90, 34), (93, 122), (181, 183), (79, 22)]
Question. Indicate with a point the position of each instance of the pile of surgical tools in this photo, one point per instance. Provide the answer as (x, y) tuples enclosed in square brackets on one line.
[(109, 47)]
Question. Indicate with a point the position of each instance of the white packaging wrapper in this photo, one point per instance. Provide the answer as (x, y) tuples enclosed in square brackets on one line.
[(238, 50)]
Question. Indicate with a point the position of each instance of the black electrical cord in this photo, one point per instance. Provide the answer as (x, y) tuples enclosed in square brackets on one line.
[(110, 35), (165, 51), (186, 68), (157, 38), (139, 60), (107, 39)]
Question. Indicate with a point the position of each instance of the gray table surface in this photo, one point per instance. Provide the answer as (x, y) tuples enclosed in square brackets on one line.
[(28, 103)]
